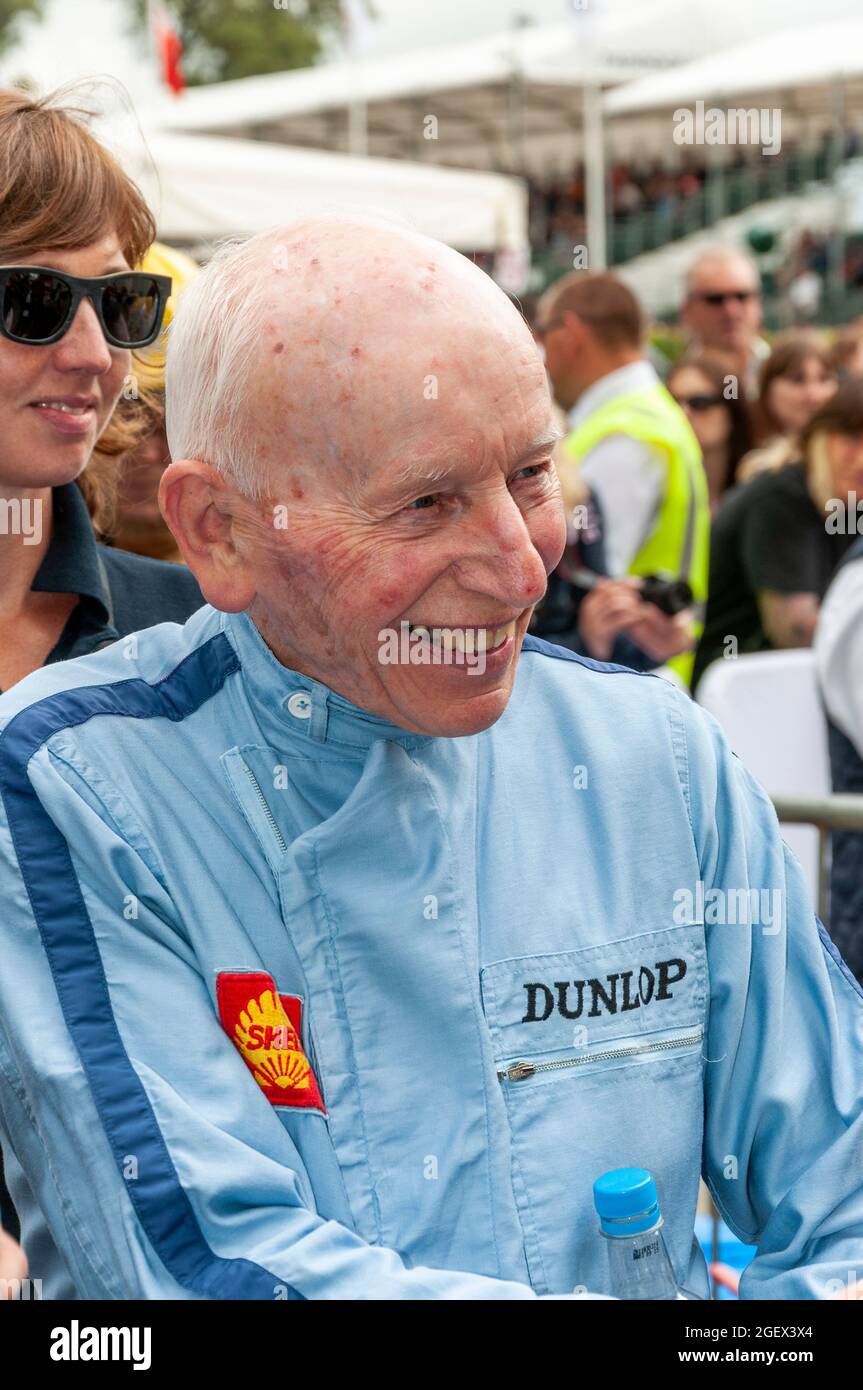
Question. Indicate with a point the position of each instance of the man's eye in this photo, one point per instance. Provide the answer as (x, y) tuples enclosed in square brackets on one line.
[(423, 503), (532, 470)]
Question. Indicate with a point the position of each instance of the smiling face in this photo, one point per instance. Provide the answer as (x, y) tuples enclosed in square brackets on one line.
[(794, 397), (56, 400), (405, 423)]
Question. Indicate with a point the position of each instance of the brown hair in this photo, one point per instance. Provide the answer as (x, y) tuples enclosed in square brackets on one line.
[(845, 345), (60, 188), (790, 350), (607, 306), (842, 414)]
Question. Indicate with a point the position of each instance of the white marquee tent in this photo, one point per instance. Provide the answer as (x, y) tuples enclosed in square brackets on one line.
[(500, 101), (202, 187), (805, 69), (509, 102)]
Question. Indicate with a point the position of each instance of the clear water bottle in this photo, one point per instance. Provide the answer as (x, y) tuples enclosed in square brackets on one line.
[(630, 1219)]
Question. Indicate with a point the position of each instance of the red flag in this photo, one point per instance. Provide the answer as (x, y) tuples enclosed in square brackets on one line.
[(169, 47)]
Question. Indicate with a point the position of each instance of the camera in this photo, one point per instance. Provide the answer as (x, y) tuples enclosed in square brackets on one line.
[(668, 595)]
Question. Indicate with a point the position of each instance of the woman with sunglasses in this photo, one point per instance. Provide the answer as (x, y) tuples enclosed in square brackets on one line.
[(72, 312), (719, 416)]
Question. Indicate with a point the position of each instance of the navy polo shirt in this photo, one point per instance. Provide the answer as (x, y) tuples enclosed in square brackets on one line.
[(120, 592)]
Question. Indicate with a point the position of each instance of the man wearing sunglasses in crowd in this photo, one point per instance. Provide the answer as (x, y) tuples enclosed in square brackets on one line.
[(722, 310), (73, 314)]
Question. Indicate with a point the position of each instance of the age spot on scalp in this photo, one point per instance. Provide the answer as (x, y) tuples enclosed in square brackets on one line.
[(280, 347)]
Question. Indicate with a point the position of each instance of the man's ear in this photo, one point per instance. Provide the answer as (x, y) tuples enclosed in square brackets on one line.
[(576, 329), (198, 506)]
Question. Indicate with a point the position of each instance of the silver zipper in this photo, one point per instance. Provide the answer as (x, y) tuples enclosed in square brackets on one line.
[(520, 1071), (267, 812)]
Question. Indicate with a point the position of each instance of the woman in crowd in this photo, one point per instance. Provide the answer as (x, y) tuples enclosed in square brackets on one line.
[(72, 227), (68, 209), (704, 387), (777, 540), (795, 380), (846, 352), (137, 523)]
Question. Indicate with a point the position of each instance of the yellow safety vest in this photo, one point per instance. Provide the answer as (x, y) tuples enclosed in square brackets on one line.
[(678, 546)]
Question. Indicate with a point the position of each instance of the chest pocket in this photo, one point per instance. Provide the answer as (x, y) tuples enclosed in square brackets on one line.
[(598, 1053)]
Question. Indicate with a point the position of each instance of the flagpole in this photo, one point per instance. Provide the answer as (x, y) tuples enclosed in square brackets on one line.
[(358, 115)]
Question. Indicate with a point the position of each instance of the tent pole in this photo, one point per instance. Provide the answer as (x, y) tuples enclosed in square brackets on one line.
[(836, 242), (358, 135), (594, 176), (358, 116)]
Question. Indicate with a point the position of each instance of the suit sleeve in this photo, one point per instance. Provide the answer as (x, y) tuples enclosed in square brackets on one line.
[(783, 1142), (162, 1170)]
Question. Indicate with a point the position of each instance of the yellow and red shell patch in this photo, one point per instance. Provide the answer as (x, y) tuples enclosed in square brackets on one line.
[(266, 1029)]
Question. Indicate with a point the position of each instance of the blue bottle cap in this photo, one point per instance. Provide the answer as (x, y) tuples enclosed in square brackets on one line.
[(626, 1202)]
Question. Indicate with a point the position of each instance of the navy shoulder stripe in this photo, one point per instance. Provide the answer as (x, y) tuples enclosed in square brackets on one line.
[(539, 644), (836, 955), (157, 1195)]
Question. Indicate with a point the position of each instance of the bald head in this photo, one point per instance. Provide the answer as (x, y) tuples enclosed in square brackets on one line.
[(304, 342), (723, 302), (716, 260)]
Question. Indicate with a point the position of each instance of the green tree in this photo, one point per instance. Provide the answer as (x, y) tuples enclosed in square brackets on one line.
[(224, 39), (11, 11)]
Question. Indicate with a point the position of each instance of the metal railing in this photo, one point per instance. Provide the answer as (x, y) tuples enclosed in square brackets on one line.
[(841, 811)]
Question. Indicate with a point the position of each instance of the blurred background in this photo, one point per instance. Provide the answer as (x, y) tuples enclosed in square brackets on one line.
[(514, 131)]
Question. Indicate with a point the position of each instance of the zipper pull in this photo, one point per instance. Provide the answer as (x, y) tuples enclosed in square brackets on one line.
[(519, 1071)]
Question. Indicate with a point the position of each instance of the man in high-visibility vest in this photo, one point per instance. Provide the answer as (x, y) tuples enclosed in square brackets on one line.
[(631, 442)]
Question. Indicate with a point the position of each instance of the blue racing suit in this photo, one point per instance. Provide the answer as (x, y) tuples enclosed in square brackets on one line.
[(295, 1003)]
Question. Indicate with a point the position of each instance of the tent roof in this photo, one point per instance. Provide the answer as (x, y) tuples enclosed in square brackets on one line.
[(468, 87), (791, 61), (204, 187)]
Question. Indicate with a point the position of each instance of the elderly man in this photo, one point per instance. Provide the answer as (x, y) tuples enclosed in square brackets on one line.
[(333, 970), (722, 310)]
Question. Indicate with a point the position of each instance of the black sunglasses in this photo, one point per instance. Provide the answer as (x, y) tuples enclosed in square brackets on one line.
[(698, 402), (37, 305), (742, 297)]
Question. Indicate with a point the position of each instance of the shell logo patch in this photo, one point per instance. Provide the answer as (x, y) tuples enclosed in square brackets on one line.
[(266, 1029)]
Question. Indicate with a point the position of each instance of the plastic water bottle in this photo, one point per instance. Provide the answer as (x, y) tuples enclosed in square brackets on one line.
[(630, 1219)]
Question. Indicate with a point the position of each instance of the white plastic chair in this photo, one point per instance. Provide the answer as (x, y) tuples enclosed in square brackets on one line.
[(769, 707)]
